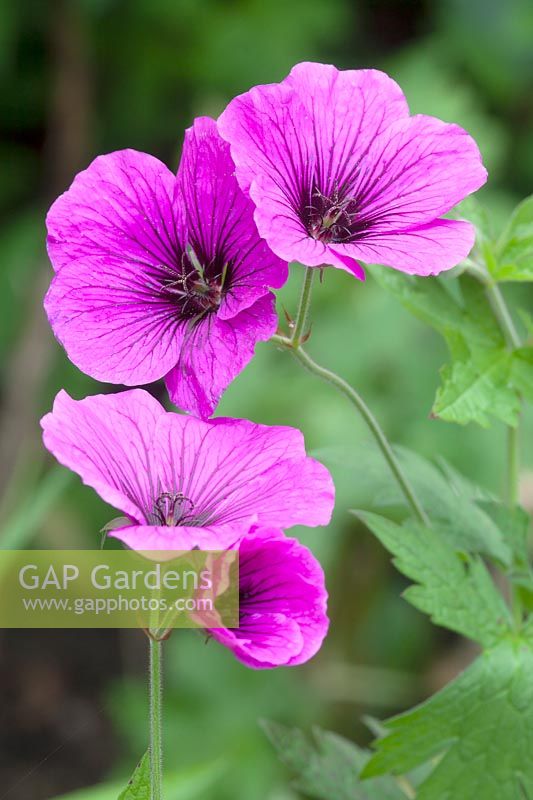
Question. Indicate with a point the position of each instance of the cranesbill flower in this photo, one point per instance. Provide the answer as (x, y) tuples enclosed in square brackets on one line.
[(339, 171), (282, 602), (182, 482), (162, 275)]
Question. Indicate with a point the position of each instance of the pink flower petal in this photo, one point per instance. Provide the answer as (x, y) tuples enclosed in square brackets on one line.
[(112, 324), (179, 537), (235, 471), (426, 250), (283, 618), (214, 352), (182, 481), (122, 205), (334, 163), (417, 170), (106, 440), (220, 219)]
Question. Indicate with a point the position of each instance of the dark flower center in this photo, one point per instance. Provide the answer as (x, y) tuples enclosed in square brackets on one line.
[(171, 509), (333, 218), (194, 286)]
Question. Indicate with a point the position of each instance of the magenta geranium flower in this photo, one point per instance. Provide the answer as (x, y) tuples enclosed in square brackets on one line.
[(182, 482), (282, 602), (339, 171), (162, 275)]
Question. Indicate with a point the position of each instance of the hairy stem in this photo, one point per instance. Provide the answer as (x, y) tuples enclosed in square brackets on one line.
[(507, 326), (156, 736), (293, 344), (512, 338), (501, 312), (302, 315)]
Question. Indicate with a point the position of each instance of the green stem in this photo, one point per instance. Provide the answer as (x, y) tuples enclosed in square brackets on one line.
[(302, 315), (156, 736), (293, 344), (513, 465), (372, 423), (512, 338), (507, 326), (501, 312)]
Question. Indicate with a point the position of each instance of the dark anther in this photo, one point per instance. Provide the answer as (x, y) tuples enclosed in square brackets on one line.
[(171, 509)]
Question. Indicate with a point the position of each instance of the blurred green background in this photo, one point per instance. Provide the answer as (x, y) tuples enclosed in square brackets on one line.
[(82, 77)]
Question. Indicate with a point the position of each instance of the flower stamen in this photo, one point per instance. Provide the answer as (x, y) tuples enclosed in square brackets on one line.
[(171, 509)]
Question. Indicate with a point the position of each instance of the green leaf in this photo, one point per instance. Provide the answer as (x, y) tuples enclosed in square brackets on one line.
[(514, 524), (450, 498), (139, 787), (456, 590), (327, 766), (471, 209), (522, 371), (475, 389), (189, 784), (479, 730), (478, 384), (456, 309), (514, 252)]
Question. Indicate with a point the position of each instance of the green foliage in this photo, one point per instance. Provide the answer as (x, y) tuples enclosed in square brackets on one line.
[(477, 388), (522, 372), (328, 766), (478, 730), (190, 784), (514, 524), (451, 500), (456, 590), (139, 786), (514, 249), (485, 377)]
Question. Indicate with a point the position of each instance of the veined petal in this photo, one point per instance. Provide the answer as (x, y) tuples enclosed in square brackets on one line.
[(263, 641), (417, 170), (214, 352), (286, 235), (220, 225), (113, 321), (306, 134), (426, 250), (122, 205), (318, 121), (283, 619), (180, 537), (106, 440), (237, 472), (333, 161), (347, 109)]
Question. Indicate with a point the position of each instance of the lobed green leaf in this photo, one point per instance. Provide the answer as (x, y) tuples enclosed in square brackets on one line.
[(454, 589), (327, 766), (514, 250), (478, 731), (450, 499)]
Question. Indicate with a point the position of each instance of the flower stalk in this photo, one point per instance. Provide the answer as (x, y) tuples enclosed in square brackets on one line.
[(300, 324), (293, 344), (481, 272), (156, 718)]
